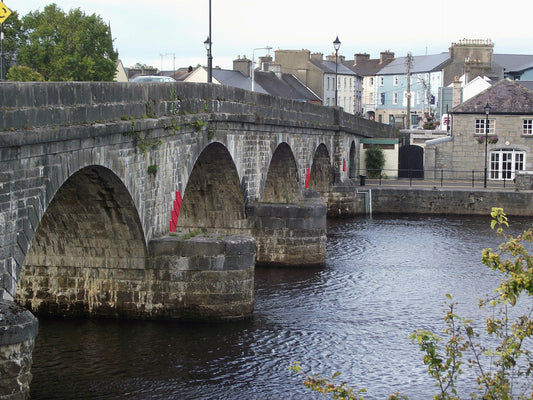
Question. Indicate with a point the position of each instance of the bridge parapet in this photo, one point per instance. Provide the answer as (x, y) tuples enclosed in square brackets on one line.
[(29, 105)]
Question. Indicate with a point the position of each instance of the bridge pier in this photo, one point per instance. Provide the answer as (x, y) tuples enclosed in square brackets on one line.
[(18, 329), (290, 234), (204, 278)]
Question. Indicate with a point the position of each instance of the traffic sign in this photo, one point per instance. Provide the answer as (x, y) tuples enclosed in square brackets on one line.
[(4, 12)]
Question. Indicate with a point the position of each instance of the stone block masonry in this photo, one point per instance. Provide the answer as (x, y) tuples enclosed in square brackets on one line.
[(18, 329)]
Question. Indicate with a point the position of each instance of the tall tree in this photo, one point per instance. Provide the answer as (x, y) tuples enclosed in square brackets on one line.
[(67, 47)]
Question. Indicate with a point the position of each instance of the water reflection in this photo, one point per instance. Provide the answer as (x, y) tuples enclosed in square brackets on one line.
[(384, 278)]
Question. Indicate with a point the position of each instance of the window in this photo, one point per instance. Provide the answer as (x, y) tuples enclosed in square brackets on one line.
[(382, 98), (480, 127), (395, 80), (345, 85), (381, 81), (527, 127), (372, 81), (395, 98), (371, 97), (328, 83), (504, 163)]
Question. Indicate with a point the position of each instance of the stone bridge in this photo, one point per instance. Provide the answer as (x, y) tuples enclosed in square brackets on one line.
[(157, 200)]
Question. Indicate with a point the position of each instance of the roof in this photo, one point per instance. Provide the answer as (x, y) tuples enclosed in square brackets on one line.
[(286, 86), (504, 97), (513, 62), (329, 67), (430, 63), (367, 67), (526, 84), (236, 79)]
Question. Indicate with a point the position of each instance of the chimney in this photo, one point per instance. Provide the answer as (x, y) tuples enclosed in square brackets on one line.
[(264, 62), (317, 57), (242, 65), (331, 58), (385, 56), (359, 57), (457, 92)]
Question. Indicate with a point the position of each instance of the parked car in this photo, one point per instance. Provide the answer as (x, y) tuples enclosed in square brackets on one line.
[(153, 78)]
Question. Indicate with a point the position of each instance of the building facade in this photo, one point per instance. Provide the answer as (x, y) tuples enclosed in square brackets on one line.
[(504, 144)]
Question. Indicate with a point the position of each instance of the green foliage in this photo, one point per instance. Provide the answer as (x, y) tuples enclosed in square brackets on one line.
[(429, 121), (67, 47), (503, 363), (152, 169), (23, 74), (374, 161)]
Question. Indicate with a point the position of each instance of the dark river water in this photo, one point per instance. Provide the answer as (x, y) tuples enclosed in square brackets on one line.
[(384, 277)]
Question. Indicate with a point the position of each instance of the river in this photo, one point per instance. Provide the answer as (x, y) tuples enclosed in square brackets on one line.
[(384, 277)]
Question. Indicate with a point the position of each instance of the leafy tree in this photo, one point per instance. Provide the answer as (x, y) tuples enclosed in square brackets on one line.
[(12, 31), (23, 74), (374, 161), (67, 47)]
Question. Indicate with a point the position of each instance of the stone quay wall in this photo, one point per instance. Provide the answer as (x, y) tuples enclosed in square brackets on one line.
[(429, 201)]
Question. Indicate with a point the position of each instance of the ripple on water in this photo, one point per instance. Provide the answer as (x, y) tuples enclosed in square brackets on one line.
[(383, 278)]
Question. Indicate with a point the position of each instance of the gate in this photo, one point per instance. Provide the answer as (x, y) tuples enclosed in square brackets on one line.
[(411, 162)]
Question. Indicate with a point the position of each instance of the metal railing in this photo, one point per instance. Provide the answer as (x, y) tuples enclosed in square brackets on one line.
[(436, 178)]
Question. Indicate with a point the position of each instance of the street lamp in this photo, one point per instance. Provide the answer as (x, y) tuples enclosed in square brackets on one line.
[(207, 45), (487, 112), (336, 45), (268, 48)]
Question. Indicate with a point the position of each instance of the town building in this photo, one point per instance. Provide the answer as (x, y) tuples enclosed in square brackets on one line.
[(367, 68), (499, 136), (319, 76)]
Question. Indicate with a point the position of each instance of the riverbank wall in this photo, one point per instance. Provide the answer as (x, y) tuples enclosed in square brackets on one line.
[(350, 200)]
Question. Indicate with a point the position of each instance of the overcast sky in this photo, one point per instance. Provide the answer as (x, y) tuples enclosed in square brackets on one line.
[(154, 32)]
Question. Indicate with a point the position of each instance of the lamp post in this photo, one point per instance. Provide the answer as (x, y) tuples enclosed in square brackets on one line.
[(268, 48), (487, 112), (336, 45), (208, 45)]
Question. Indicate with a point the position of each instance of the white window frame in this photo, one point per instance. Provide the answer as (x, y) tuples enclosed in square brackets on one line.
[(381, 81), (395, 98), (505, 162), (527, 127), (395, 80), (479, 126)]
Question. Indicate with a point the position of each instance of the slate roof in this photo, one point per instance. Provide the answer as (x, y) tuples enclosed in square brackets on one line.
[(526, 84), (329, 66), (504, 97), (236, 79), (419, 64), (368, 67), (513, 62), (288, 86)]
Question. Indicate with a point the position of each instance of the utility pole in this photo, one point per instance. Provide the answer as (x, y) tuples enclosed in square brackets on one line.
[(408, 91)]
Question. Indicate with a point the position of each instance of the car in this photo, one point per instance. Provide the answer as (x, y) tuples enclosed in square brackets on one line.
[(153, 78)]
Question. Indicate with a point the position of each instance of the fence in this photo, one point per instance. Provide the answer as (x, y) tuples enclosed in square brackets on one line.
[(436, 178)]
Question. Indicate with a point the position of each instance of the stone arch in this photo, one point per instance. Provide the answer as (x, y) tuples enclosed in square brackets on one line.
[(87, 251), (282, 184), (321, 175), (213, 198)]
